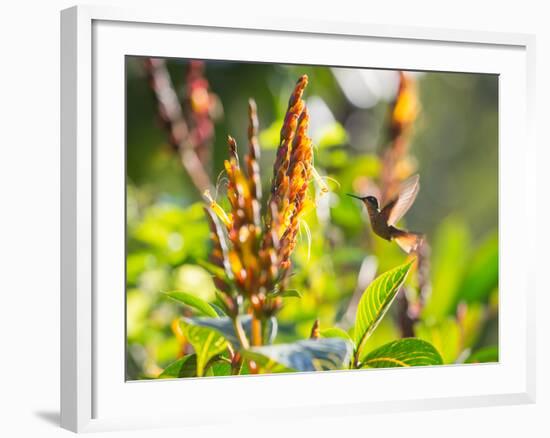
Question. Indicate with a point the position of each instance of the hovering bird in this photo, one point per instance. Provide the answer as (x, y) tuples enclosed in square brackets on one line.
[(383, 219)]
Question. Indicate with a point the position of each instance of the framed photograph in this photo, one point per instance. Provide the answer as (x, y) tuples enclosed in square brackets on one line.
[(309, 218)]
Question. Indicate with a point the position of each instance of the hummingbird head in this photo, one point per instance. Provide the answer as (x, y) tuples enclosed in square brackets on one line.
[(372, 201), (369, 200)]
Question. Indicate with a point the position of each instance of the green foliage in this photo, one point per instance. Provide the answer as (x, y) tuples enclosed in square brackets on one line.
[(219, 368), (372, 307), (308, 355), (376, 301), (444, 335), (403, 353), (484, 355), (225, 327), (184, 367), (213, 269), (453, 147), (206, 342), (385, 332), (472, 319), (335, 332), (200, 306), (481, 276), (452, 245), (287, 293)]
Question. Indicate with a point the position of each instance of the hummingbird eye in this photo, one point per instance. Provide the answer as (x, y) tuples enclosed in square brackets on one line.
[(372, 200)]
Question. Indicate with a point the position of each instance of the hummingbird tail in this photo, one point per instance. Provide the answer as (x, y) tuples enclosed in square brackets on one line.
[(408, 241)]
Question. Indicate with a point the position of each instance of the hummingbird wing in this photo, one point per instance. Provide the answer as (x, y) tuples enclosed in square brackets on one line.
[(408, 241), (396, 208)]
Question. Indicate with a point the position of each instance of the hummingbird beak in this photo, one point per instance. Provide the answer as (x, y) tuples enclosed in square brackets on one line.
[(355, 196)]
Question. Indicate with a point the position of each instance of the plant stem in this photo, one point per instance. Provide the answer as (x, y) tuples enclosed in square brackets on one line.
[(256, 331), (355, 362), (239, 331), (236, 364), (408, 313), (404, 317), (171, 113), (230, 351)]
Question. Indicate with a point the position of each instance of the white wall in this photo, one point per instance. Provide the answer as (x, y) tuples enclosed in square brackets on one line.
[(29, 218)]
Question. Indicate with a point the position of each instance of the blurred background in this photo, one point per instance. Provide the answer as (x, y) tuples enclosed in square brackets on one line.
[(453, 146)]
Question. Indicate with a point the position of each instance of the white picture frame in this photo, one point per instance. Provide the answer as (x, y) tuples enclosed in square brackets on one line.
[(94, 41)]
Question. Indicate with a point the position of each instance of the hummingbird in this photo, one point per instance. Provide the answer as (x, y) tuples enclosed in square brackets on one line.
[(383, 219)]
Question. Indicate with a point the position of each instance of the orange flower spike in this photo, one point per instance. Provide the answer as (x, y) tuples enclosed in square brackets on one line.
[(256, 213), (269, 250), (237, 267), (301, 146), (243, 192), (301, 139), (290, 176), (300, 174), (407, 106), (218, 256), (298, 92), (239, 192), (253, 127), (233, 156), (218, 210), (295, 108), (303, 153), (279, 211), (256, 267), (403, 114), (231, 191), (301, 165), (232, 169)]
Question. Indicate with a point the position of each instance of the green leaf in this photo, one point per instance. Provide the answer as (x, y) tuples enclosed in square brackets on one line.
[(451, 253), (335, 332), (220, 311), (213, 269), (224, 327), (206, 342), (287, 293), (307, 355), (386, 331), (444, 335), (484, 355), (291, 293), (184, 367), (409, 352), (192, 301), (472, 318), (219, 368), (376, 301), (220, 305), (481, 276), (244, 370)]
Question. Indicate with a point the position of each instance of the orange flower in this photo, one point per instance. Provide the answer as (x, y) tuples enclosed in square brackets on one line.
[(257, 253), (396, 165), (406, 106)]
